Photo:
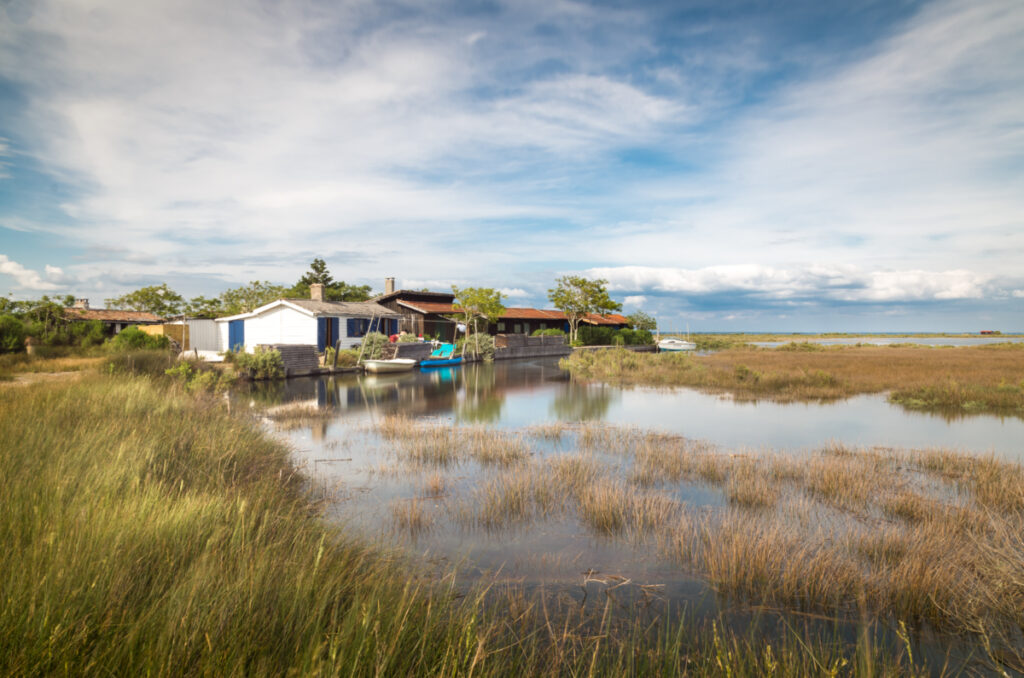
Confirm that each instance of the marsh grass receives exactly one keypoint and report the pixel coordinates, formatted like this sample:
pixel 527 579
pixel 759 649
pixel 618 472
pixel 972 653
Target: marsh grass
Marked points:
pixel 961 380
pixel 160 549
pixel 411 516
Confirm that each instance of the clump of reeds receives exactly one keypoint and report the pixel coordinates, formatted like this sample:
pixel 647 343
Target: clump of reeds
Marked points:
pixel 411 516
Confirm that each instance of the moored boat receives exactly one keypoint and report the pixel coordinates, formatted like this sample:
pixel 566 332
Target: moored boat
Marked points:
pixel 676 345
pixel 442 356
pixel 385 366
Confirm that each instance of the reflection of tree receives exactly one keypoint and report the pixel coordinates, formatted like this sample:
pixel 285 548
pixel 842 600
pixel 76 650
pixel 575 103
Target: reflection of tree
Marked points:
pixel 579 402
pixel 482 401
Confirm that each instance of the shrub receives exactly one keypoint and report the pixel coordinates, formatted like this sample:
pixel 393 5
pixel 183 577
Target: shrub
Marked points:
pixel 261 364
pixel 592 335
pixel 348 357
pixel 134 339
pixel 550 332
pixel 404 338
pixel 373 345
pixel 12 334
pixel 479 345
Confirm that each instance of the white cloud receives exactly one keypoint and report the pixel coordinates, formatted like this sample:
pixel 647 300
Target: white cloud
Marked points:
pixel 514 292
pixel 846 284
pixel 636 300
pixel 26 278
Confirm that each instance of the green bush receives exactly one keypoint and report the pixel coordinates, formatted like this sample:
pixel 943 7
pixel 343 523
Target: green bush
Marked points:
pixel 12 334
pixel 348 357
pixel 373 345
pixel 261 364
pixel 197 379
pixel 405 338
pixel 595 335
pixel 134 339
pixel 550 332
pixel 478 346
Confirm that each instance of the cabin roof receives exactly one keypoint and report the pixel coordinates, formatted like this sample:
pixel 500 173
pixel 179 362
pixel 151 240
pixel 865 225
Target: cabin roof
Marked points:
pixel 111 315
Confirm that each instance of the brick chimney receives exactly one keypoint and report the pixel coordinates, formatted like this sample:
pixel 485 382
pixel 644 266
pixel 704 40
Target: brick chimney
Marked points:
pixel 81 303
pixel 389 285
pixel 316 292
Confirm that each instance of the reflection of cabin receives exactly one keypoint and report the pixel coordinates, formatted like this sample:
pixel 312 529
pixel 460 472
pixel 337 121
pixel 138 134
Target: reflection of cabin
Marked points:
pixel 306 321
pixel 113 320
pixel 429 314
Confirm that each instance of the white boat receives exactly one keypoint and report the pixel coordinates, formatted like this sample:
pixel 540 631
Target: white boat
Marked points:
pixel 676 345
pixel 393 365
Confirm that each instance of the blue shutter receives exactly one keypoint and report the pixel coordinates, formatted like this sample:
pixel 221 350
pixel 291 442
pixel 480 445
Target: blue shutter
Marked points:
pixel 321 334
pixel 236 335
pixel 351 327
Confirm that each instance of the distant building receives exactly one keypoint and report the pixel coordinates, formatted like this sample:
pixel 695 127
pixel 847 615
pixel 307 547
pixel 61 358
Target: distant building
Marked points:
pixel 113 320
pixel 430 314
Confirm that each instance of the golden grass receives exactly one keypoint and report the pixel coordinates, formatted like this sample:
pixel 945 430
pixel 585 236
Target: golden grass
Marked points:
pixel 963 379
pixel 411 516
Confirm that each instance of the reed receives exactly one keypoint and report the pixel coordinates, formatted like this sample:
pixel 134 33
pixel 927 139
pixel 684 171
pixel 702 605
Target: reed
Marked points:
pixel 410 516
pixel 962 380
pixel 160 549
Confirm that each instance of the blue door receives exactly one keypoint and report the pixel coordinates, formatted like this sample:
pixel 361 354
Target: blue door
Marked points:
pixel 236 335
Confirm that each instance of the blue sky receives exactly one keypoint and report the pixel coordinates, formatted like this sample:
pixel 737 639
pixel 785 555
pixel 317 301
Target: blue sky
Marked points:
pixel 800 166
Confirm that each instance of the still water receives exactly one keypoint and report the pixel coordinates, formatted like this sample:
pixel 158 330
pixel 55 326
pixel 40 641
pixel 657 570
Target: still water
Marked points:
pixel 518 394
pixel 369 485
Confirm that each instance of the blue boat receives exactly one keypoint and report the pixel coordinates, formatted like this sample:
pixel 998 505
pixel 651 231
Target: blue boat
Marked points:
pixel 442 356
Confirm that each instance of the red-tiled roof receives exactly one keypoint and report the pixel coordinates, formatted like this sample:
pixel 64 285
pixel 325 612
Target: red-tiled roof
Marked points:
pixel 516 313
pixel 111 315
pixel 531 314
pixel 610 319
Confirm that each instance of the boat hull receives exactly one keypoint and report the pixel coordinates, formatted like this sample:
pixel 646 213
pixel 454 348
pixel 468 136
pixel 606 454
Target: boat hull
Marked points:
pixel 388 366
pixel 672 345
pixel 440 362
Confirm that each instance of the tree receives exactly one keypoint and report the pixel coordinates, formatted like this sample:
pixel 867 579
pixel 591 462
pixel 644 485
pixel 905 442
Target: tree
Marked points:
pixel 247 297
pixel 577 297
pixel 639 320
pixel 318 273
pixel 334 290
pixel 156 299
pixel 477 303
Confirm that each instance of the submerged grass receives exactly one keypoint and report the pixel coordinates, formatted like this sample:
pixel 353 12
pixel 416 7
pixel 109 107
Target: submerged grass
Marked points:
pixel 950 380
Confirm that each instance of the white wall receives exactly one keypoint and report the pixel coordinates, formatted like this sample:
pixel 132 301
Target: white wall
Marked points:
pixel 280 325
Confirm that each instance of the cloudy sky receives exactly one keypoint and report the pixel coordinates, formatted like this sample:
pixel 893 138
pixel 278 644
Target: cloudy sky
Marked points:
pixel 789 165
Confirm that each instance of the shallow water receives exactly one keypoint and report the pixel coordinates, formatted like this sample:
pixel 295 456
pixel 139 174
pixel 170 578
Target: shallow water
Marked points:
pixel 518 394
pixel 364 477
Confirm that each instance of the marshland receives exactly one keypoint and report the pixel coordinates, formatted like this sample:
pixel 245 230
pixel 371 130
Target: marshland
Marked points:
pixel 518 518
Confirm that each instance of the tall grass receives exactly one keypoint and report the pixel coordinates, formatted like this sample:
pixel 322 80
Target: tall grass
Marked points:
pixel 950 380
pixel 137 545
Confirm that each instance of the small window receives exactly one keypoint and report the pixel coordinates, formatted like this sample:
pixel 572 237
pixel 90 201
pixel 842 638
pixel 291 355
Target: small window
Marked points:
pixel 501 326
pixel 543 326
pixel 519 328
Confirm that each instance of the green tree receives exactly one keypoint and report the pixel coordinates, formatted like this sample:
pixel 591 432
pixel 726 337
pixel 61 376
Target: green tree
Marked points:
pixel 334 290
pixel 247 297
pixel 201 307
pixel 477 303
pixel 577 297
pixel 639 320
pixel 156 299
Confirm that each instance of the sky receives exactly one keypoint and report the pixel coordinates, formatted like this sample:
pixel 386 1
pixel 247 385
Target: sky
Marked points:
pixel 753 165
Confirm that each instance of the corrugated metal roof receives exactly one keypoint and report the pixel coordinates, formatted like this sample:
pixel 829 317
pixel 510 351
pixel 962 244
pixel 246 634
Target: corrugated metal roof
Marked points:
pixel 111 315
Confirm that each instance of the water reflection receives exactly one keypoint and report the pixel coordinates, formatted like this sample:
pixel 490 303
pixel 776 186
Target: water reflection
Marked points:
pixel 519 394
